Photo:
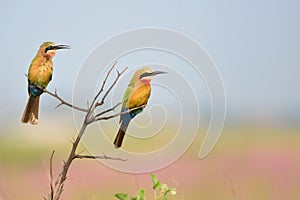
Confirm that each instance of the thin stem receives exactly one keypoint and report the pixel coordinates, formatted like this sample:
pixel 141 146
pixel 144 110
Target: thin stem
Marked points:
pixel 51 175
pixel 108 110
pixel 70 160
pixel 110 88
pixel 117 114
pixel 103 84
pixel 105 157
pixel 57 188
pixel 63 102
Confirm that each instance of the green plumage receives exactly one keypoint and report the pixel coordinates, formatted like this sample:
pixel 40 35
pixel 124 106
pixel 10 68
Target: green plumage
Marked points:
pixel 136 95
pixel 39 75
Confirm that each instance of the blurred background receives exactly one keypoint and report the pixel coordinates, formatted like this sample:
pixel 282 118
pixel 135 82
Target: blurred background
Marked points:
pixel 256 47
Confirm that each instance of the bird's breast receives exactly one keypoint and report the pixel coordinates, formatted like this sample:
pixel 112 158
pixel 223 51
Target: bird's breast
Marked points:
pixel 139 96
pixel 40 73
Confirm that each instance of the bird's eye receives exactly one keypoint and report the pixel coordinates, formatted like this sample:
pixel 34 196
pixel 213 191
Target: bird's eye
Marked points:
pixel 48 48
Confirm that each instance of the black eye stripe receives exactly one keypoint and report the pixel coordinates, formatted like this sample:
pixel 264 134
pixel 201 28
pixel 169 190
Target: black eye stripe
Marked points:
pixel 49 48
pixel 145 74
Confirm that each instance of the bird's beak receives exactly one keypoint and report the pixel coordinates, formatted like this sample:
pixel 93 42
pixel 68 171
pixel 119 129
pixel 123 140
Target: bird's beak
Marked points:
pixel 158 72
pixel 61 47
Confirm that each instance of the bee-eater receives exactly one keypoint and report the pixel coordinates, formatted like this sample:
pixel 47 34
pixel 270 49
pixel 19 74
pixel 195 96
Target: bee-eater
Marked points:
pixel 136 95
pixel 39 75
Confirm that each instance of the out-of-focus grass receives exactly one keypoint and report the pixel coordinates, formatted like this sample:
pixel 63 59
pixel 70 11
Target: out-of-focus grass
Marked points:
pixel 20 148
pixel 247 163
pixel 20 152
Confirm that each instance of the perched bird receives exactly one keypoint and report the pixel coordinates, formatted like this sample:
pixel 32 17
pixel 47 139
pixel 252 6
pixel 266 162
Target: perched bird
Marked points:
pixel 39 75
pixel 135 96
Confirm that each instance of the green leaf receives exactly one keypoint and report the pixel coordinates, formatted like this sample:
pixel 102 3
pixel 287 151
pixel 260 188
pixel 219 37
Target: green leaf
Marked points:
pixel 155 181
pixel 121 196
pixel 165 191
pixel 141 194
pixel 133 198
pixel 164 186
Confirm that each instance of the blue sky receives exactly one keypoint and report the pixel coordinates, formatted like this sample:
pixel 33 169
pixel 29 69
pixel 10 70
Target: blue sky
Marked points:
pixel 255 45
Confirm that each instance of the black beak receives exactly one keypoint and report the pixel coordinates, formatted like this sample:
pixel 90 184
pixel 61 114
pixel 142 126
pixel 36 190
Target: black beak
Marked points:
pixel 61 47
pixel 158 72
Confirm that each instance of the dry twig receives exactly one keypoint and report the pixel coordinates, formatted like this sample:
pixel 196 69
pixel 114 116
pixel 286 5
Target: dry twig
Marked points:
pixel 104 157
pixel 63 102
pixel 57 188
pixel 51 175
pixel 98 118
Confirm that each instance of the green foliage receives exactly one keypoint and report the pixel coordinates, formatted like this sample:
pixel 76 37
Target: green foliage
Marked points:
pixel 121 196
pixel 155 181
pixel 162 189
pixel 124 196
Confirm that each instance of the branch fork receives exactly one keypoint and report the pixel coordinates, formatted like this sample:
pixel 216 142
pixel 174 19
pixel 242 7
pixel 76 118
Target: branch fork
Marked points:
pixel 57 187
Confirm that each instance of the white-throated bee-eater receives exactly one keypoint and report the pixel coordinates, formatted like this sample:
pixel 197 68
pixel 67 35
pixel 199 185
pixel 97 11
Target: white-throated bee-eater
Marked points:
pixel 135 96
pixel 39 75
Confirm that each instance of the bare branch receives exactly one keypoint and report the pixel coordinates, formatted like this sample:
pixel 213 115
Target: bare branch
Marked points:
pixel 57 180
pixel 51 175
pixel 58 186
pixel 108 110
pixel 103 84
pixel 63 102
pixel 58 105
pixel 110 88
pixel 104 157
pixel 115 115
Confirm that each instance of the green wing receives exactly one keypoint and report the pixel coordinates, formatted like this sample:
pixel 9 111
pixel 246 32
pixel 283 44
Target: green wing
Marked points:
pixel 125 98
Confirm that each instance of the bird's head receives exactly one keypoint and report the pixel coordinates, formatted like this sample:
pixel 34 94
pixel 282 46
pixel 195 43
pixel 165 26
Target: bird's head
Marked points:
pixel 145 74
pixel 48 49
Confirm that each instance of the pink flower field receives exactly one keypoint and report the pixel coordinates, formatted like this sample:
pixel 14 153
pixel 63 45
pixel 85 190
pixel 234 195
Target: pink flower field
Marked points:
pixel 254 163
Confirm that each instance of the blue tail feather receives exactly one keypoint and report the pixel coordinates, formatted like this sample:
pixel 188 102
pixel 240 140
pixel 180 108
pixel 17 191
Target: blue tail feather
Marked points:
pixel 34 90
